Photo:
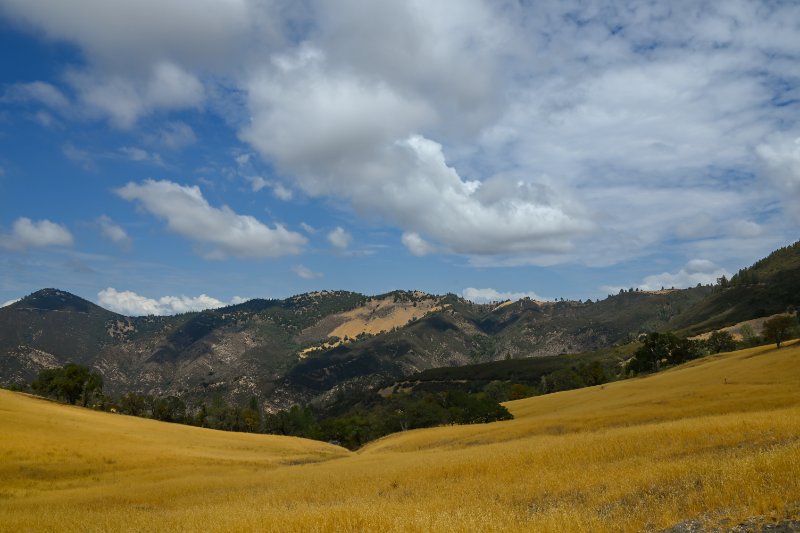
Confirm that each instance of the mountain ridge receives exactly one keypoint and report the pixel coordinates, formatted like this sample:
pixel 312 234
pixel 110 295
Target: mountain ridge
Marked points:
pixel 312 346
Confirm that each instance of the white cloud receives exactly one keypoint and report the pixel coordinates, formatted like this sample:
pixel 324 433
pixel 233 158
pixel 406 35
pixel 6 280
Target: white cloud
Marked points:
pixel 242 159
pixel 188 214
pixel 132 304
pixel 257 182
pixel 489 295
pixel 281 192
pixel 746 229
pixel 146 55
pixel 339 238
pixel 9 302
pixel 278 189
pixel 26 233
pixel 333 128
pixel 695 271
pixel 166 87
pixel 38 91
pixel 781 156
pixel 416 244
pixel 194 31
pixel 305 272
pixel 114 232
pixel 137 154
pixel 308 228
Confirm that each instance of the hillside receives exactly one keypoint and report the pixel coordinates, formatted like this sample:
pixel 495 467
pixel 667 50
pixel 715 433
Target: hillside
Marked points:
pixel 313 347
pixel 714 442
pixel 769 286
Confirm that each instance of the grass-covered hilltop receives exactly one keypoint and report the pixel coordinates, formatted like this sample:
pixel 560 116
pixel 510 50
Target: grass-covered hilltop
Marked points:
pixel 710 443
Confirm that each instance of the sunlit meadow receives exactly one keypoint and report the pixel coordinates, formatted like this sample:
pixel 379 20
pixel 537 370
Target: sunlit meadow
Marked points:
pixel 716 440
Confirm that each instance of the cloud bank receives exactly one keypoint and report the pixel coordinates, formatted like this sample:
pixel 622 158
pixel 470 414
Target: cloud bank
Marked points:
pixel 513 133
pixel 489 295
pixel 131 304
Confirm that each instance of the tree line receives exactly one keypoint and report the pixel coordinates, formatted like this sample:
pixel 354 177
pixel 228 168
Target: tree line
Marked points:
pixel 352 426
pixel 658 350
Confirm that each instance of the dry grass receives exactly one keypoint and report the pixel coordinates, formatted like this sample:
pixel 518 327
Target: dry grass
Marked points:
pixel 382 315
pixel 375 316
pixel 716 439
pixel 757 324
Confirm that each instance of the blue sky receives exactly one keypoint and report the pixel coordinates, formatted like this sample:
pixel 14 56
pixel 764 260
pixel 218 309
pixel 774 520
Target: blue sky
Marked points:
pixel 157 157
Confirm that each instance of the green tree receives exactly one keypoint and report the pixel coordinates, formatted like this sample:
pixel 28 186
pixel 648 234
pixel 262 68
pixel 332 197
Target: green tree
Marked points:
pixel 658 348
pixel 777 328
pixel 749 337
pixel 169 409
pixel 498 390
pixel 250 416
pixel 72 382
pixel 721 341
pixel 135 404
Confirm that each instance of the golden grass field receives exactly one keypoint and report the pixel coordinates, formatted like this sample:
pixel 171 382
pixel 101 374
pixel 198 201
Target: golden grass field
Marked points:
pixel 716 440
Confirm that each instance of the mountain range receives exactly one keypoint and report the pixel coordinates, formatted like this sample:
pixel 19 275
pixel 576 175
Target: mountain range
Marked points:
pixel 312 346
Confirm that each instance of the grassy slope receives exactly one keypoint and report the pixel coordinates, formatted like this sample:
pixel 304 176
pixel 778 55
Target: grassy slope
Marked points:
pixel 718 438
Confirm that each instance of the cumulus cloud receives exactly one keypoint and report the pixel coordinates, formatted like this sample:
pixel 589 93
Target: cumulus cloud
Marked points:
pixel 308 228
pixel 489 295
pixel 305 272
pixel 328 127
pixel 26 233
pixel 339 238
pixel 188 214
pixel 695 271
pixel 124 101
pixel 133 304
pixel 416 244
pixel 138 61
pixel 114 232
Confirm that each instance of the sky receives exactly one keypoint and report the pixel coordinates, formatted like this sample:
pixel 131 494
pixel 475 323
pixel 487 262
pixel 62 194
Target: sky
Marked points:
pixel 164 156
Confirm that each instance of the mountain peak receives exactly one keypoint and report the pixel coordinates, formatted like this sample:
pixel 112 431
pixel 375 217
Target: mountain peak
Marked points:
pixel 56 300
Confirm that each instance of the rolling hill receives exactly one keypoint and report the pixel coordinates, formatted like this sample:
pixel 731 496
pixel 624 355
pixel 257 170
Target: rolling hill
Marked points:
pixel 708 444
